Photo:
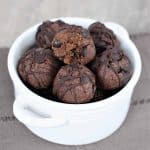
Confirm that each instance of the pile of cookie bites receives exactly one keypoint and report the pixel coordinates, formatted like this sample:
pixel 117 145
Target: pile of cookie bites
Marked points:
pixel 71 64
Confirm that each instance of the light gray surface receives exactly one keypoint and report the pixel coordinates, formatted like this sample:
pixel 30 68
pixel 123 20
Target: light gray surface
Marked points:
pixel 134 134
pixel 18 15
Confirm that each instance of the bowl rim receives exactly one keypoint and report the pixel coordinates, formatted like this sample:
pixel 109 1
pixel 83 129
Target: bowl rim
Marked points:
pixel 16 79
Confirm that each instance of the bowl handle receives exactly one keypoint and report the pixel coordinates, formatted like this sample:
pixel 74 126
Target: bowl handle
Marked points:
pixel 27 116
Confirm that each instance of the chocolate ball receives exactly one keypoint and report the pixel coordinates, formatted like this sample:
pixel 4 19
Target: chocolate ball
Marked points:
pixel 74 45
pixel 47 31
pixel 74 84
pixel 113 69
pixel 38 67
pixel 103 37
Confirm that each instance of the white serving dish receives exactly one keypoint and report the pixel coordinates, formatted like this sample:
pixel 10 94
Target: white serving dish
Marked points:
pixel 72 124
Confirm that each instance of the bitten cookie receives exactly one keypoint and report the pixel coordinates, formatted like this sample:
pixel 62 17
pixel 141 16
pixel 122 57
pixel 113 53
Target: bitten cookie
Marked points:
pixel 74 84
pixel 74 45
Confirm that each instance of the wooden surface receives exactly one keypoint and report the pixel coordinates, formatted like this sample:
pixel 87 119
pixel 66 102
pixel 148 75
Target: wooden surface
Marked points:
pixel 134 134
pixel 17 15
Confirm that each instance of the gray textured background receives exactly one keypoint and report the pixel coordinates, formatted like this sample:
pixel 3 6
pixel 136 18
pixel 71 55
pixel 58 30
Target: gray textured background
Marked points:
pixel 17 15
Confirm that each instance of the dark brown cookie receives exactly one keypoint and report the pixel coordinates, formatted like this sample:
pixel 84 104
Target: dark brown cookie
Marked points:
pixel 74 84
pixel 113 69
pixel 47 31
pixel 103 37
pixel 38 67
pixel 74 45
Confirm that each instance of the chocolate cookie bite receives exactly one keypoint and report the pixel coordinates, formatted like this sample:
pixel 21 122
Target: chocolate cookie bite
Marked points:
pixel 74 84
pixel 38 67
pixel 74 45
pixel 47 31
pixel 103 37
pixel 113 69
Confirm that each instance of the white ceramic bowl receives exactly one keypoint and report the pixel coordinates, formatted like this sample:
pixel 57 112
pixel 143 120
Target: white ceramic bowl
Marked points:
pixel 72 124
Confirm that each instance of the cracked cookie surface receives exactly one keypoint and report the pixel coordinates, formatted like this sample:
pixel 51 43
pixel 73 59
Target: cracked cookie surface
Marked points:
pixel 74 84
pixel 113 69
pixel 38 67
pixel 103 37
